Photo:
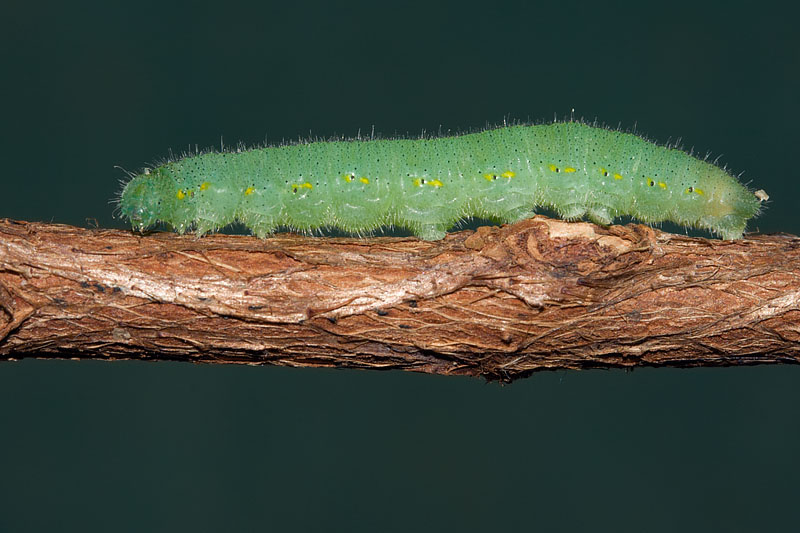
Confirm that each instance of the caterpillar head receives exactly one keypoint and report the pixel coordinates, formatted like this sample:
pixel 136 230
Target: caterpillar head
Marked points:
pixel 141 200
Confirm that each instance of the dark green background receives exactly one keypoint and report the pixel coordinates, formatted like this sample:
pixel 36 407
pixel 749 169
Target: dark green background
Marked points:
pixel 87 446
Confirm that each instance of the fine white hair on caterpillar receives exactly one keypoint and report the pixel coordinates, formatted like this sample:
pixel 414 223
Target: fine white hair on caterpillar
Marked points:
pixel 429 184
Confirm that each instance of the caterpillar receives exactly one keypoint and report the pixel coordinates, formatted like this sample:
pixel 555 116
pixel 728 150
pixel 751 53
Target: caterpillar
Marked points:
pixel 427 185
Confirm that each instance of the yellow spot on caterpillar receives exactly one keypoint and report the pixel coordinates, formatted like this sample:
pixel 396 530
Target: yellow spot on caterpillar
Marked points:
pixel 508 174
pixel 417 182
pixel 617 177
pixel 689 190
pixel 364 180
pixel 347 177
pixel 490 177
pixel 650 182
pixel 569 169
pixel 248 191
pixel 662 184
pixel 553 168
pixel 701 192
pixel 435 183
pixel 204 186
pixel 181 195
pixel 604 172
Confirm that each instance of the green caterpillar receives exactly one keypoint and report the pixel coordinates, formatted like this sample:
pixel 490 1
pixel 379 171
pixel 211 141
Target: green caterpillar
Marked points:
pixel 427 185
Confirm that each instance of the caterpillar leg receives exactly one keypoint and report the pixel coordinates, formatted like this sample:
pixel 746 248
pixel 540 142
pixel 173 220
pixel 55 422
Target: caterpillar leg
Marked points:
pixel 599 215
pixel 262 231
pixel 203 226
pixel 516 214
pixel 572 211
pixel 430 232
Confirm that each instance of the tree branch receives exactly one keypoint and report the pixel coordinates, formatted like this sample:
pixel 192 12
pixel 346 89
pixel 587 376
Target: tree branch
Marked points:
pixel 499 302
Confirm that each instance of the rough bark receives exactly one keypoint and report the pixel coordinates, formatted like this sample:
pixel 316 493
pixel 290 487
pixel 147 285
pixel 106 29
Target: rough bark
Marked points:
pixel 499 302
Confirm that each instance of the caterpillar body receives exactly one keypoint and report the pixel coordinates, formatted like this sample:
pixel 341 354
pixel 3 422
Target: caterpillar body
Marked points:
pixel 426 185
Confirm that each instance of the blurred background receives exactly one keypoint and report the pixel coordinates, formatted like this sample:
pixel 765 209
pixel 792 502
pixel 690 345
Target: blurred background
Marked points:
pixel 89 89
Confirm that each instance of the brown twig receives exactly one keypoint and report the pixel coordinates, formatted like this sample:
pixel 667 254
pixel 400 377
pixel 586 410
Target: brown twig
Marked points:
pixel 499 302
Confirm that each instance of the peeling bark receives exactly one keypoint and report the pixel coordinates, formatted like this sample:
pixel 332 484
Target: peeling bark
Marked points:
pixel 499 302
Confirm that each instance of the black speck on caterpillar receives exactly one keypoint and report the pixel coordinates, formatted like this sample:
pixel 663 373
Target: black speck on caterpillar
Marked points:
pixel 429 184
